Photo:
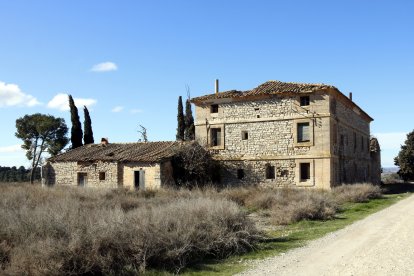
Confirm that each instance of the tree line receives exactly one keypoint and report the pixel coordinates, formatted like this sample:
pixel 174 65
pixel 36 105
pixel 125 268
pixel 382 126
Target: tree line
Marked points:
pixel 21 174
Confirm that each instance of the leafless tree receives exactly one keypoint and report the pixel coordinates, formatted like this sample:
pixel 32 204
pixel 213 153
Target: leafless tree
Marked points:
pixel 143 132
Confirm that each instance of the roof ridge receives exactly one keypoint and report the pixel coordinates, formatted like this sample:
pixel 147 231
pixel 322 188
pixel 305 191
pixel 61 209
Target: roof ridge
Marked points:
pixel 297 83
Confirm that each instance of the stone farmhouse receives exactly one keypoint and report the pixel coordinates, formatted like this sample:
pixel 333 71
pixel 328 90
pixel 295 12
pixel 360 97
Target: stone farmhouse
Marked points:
pixel 112 165
pixel 277 134
pixel 288 134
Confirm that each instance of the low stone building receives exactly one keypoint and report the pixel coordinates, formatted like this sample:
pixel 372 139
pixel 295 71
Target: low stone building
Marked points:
pixel 288 134
pixel 112 165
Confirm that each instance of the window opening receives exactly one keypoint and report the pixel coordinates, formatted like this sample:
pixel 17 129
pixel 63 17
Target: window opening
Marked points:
pixel 304 171
pixel 216 137
pixel 270 172
pixel 214 108
pixel 304 101
pixel 240 174
pixel 303 132
pixel 102 176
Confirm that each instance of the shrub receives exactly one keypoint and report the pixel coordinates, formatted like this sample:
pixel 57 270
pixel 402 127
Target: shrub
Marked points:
pixel 303 204
pixel 356 192
pixel 285 205
pixel 89 231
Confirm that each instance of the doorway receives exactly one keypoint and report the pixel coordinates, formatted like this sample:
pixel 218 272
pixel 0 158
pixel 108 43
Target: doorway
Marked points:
pixel 139 180
pixel 82 179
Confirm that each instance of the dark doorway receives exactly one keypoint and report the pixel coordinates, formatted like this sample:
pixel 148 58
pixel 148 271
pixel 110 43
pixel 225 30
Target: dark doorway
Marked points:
pixel 139 180
pixel 82 179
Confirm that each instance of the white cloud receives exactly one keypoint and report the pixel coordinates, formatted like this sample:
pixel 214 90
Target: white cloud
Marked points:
pixel 104 67
pixel 134 111
pixel 391 140
pixel 117 109
pixel 11 149
pixel 61 102
pixel 11 95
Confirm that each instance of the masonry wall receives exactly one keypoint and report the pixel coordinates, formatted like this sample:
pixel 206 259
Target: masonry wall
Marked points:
pixel 152 174
pixel 67 174
pixel 351 160
pixel 271 125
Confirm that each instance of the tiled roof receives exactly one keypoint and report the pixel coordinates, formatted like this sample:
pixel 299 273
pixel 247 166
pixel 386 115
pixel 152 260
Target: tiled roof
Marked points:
pixel 267 88
pixel 121 152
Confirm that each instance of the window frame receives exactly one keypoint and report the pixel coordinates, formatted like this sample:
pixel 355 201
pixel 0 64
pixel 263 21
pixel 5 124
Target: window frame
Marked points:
pixel 306 143
pixel 300 182
pixel 211 130
pixel 245 135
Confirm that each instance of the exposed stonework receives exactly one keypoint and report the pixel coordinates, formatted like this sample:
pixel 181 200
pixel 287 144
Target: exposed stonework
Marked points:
pixel 250 130
pixel 132 166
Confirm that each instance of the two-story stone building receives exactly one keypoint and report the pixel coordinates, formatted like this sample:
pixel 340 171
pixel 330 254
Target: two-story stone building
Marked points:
pixel 288 134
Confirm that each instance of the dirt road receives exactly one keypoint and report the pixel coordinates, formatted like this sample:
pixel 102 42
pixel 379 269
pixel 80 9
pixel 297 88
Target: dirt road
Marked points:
pixel 381 244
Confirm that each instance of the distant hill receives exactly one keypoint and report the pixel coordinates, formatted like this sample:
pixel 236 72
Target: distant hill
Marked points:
pixel 389 170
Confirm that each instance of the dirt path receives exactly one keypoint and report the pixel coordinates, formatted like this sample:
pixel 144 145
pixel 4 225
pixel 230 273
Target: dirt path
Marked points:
pixel 381 244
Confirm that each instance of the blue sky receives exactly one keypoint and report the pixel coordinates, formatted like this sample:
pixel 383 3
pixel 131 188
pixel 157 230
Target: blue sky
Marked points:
pixel 130 60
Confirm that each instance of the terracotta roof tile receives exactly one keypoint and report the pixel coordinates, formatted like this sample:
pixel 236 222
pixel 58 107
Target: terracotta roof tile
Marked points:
pixel 121 152
pixel 267 88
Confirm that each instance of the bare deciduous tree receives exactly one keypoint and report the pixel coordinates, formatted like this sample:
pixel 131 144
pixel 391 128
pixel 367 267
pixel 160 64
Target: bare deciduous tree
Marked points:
pixel 143 133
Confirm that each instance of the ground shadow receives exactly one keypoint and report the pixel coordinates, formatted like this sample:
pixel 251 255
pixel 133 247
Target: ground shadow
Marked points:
pixel 398 188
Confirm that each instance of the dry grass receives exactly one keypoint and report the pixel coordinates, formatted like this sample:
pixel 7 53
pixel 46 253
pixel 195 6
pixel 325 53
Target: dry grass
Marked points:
pixel 362 192
pixel 57 231
pixel 87 231
pixel 285 206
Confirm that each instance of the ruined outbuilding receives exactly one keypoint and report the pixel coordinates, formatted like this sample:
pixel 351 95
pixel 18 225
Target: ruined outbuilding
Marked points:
pixel 145 165
pixel 288 134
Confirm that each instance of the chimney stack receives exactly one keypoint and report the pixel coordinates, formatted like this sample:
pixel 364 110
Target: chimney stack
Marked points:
pixel 104 141
pixel 217 87
pixel 350 96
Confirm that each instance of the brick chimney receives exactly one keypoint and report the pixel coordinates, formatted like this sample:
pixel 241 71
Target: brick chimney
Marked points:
pixel 104 141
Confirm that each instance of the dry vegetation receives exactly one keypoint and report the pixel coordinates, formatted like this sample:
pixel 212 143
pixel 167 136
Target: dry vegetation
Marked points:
pixel 58 231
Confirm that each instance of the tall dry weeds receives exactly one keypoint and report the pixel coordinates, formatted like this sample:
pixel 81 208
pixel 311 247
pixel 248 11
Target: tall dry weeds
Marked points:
pixel 89 231
pixel 361 192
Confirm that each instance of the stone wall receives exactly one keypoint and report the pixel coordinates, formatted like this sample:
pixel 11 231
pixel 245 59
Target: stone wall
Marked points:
pixel 350 145
pixel 286 173
pixel 67 174
pixel 338 150
pixel 115 175
pixel 271 127
pixel 152 174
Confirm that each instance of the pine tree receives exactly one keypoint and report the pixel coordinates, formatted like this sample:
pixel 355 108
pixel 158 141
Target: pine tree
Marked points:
pixel 405 158
pixel 76 131
pixel 189 132
pixel 87 128
pixel 180 121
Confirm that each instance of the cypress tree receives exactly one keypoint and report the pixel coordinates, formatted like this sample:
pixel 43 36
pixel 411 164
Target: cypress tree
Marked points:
pixel 87 127
pixel 189 132
pixel 76 131
pixel 180 121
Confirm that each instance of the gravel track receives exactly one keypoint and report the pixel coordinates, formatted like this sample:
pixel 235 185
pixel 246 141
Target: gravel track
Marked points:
pixel 381 244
